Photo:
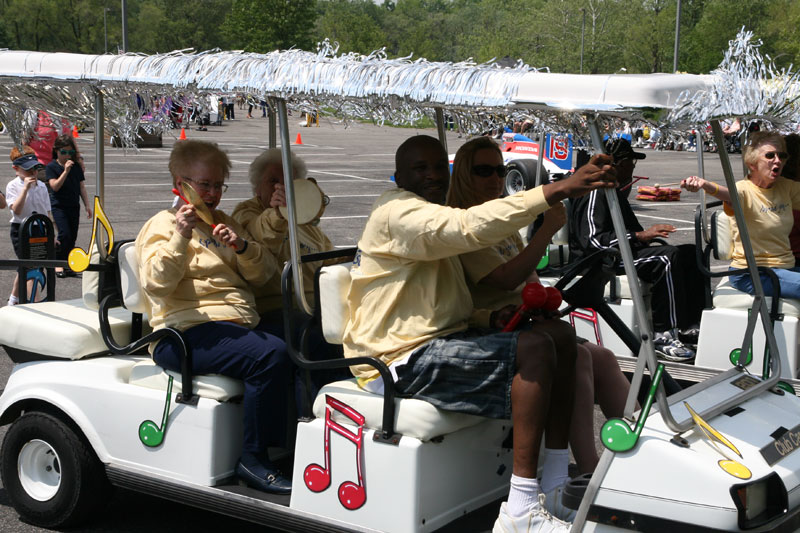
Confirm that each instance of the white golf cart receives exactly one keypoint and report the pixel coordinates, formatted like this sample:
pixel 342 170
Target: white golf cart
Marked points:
pixel 717 456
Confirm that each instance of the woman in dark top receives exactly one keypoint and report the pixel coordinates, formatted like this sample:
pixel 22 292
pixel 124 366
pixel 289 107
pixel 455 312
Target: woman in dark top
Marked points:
pixel 65 179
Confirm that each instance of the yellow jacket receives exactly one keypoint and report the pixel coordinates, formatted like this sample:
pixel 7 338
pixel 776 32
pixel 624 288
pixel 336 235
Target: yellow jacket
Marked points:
pixel 408 285
pixel 270 229
pixel 187 282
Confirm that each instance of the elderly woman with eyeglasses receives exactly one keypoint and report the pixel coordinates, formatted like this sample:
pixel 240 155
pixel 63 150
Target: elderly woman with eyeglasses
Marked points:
pixel 767 200
pixel 65 179
pixel 196 278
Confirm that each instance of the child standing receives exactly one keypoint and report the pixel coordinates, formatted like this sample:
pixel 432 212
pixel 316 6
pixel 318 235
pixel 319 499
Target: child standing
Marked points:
pixel 25 195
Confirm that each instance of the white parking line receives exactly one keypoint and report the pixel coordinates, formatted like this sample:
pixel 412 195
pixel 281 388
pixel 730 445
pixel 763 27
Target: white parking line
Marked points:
pixel 346 175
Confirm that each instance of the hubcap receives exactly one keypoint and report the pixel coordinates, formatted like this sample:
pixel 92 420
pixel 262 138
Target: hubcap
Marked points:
pixel 514 182
pixel 39 470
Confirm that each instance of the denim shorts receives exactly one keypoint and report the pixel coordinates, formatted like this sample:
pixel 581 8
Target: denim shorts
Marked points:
pixel 468 372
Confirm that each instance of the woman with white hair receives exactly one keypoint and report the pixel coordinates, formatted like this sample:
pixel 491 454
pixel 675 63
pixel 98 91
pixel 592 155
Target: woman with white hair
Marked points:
pixel 262 218
pixel 767 199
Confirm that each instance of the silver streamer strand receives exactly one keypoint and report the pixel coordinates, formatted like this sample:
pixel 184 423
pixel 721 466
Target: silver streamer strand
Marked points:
pixel 354 86
pixel 745 85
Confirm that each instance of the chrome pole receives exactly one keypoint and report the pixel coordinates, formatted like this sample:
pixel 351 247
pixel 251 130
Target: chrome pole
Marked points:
pixel 286 158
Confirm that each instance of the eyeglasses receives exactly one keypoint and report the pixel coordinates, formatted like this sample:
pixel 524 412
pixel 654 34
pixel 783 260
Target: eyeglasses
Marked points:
pixel 486 171
pixel 206 186
pixel 66 152
pixel 783 156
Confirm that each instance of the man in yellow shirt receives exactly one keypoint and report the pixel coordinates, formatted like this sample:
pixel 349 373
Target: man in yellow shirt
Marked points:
pixel 410 307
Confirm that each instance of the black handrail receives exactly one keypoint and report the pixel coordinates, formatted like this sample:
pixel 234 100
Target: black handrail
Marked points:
pixel 387 432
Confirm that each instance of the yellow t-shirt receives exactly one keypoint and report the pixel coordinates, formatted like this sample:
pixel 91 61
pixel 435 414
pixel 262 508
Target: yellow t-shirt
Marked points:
pixel 187 282
pixel 407 282
pixel 477 265
pixel 269 228
pixel 768 214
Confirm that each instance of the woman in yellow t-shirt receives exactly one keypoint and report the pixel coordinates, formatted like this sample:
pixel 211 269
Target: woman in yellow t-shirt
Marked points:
pixel 496 275
pixel 767 199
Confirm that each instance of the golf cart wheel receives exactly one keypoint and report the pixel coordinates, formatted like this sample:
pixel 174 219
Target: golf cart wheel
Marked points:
pixel 520 176
pixel 52 476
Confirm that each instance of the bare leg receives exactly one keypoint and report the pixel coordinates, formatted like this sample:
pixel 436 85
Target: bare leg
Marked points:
pixel 562 395
pixel 530 392
pixel 581 431
pixel 542 392
pixel 610 384
pixel 15 286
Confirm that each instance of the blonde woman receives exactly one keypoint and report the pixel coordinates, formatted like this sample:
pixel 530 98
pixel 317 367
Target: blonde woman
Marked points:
pixel 497 274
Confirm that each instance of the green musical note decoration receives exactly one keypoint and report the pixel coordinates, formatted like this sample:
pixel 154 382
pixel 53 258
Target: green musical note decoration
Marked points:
pixel 149 433
pixel 735 357
pixel 617 435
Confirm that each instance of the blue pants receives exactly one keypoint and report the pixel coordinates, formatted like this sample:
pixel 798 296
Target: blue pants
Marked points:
pixel 67 220
pixel 252 355
pixel 789 278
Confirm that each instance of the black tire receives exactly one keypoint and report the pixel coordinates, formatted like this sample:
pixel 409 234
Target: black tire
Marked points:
pixel 520 175
pixel 40 446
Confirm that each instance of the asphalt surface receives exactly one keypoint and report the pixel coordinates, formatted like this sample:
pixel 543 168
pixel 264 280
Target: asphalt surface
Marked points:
pixel 352 165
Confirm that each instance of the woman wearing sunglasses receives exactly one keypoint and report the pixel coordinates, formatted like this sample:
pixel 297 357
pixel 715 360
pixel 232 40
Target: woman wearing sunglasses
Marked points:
pixel 64 176
pixel 496 275
pixel 767 200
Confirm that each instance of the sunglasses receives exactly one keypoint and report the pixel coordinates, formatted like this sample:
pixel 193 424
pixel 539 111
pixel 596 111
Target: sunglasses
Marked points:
pixel 783 156
pixel 66 152
pixel 486 171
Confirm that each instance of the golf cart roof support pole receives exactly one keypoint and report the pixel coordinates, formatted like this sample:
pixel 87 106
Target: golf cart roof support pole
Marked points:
pixel 540 160
pixel 647 349
pixel 272 125
pixel 99 137
pixel 747 247
pixel 288 177
pixel 440 129
pixel 701 171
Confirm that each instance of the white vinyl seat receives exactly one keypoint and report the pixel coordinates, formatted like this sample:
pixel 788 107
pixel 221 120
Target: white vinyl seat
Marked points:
pixel 213 386
pixel 64 329
pixel 147 373
pixel 414 418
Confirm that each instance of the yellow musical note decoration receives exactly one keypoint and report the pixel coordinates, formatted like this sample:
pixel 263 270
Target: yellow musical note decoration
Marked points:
pixel 78 259
pixel 729 465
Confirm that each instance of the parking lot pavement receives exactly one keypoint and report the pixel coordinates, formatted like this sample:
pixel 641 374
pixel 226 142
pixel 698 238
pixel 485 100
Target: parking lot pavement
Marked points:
pixel 351 164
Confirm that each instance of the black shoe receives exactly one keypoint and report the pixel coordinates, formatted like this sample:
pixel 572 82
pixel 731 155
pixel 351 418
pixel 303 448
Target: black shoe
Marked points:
pixel 263 478
pixel 61 274
pixel 689 335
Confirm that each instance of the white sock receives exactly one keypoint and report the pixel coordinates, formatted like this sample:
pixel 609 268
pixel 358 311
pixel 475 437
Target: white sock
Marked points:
pixel 523 495
pixel 554 469
pixel 13 300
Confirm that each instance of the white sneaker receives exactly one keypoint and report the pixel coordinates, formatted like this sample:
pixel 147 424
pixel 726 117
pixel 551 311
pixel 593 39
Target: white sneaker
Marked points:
pixel 536 521
pixel 555 505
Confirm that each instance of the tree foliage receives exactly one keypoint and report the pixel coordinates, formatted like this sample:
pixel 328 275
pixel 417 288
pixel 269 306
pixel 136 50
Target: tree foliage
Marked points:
pixel 634 35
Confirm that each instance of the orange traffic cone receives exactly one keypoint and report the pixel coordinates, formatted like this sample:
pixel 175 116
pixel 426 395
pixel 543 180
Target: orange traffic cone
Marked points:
pixel 183 134
pixel 299 140
pixel 75 132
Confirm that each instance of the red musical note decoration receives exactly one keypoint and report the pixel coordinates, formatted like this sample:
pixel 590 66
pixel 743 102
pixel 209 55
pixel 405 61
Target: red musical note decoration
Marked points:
pixel 318 478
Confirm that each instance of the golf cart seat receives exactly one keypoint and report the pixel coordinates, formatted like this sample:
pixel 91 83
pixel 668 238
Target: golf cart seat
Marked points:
pixel 63 329
pixel 147 373
pixel 413 417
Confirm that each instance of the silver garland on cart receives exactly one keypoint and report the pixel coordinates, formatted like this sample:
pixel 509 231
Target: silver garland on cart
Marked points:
pixel 746 85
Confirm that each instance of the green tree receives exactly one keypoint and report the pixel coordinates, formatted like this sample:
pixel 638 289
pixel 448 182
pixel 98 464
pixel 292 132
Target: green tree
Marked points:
pixel 266 25
pixel 707 41
pixel 357 25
